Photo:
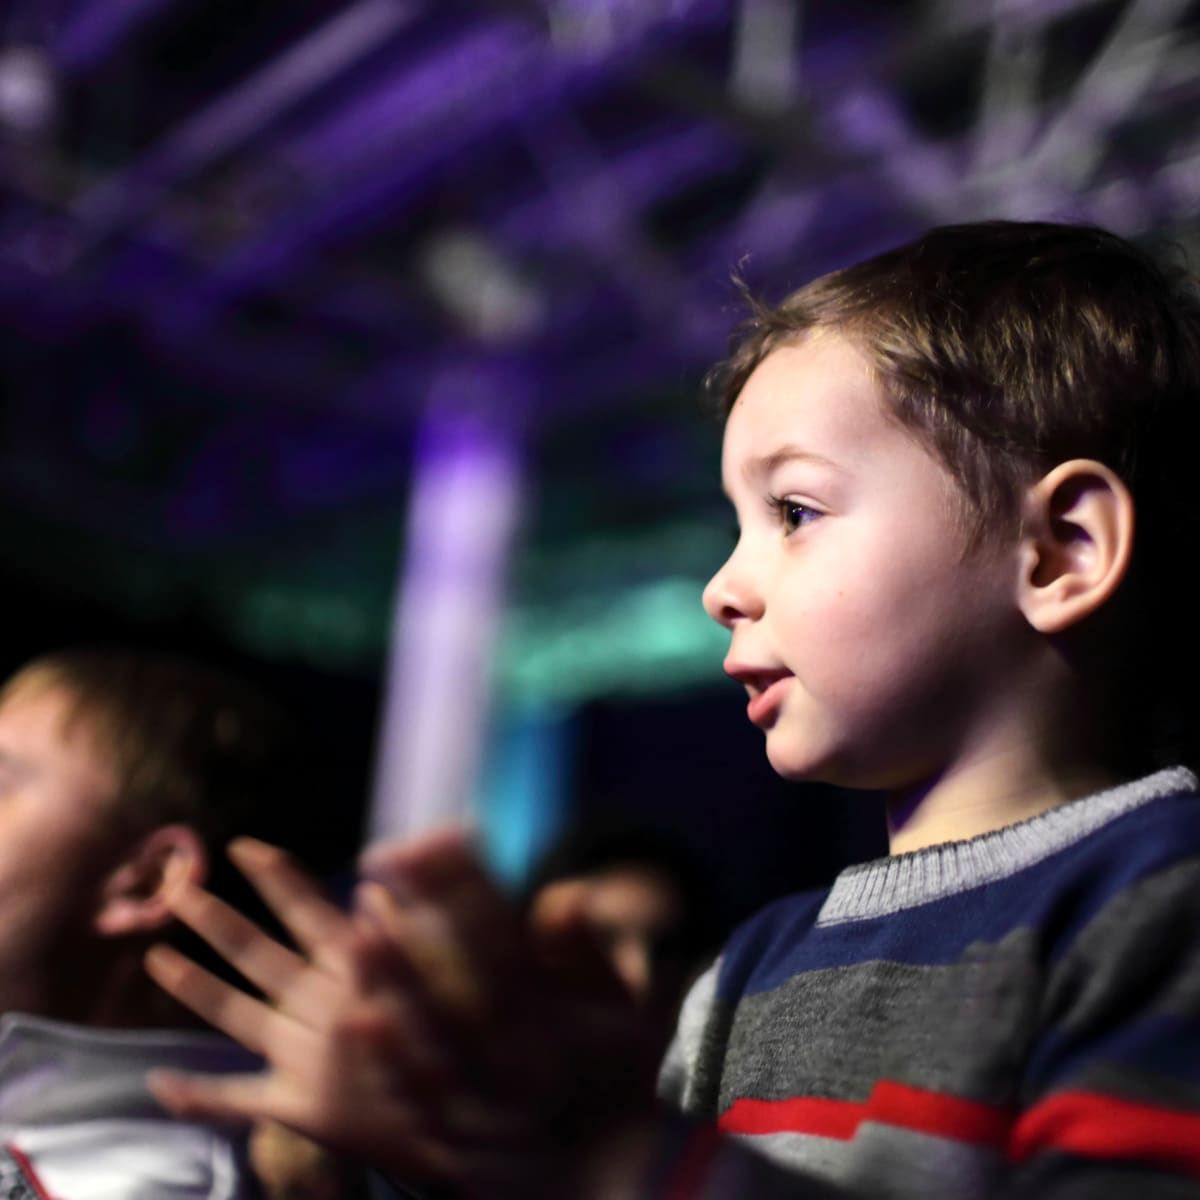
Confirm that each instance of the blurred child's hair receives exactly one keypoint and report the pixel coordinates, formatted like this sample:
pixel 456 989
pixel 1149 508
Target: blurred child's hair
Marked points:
pixel 1008 347
pixel 185 743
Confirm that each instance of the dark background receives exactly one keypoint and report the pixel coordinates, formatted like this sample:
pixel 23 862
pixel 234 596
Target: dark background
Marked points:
pixel 244 244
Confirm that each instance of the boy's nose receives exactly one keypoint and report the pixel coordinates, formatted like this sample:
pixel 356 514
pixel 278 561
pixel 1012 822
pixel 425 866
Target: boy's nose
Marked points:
pixel 728 598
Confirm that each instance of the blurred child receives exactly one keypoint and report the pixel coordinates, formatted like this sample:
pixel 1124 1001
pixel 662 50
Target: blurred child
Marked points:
pixel 121 775
pixel 962 473
pixel 642 897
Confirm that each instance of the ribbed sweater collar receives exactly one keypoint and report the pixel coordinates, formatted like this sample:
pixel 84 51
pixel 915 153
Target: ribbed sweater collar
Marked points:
pixel 902 881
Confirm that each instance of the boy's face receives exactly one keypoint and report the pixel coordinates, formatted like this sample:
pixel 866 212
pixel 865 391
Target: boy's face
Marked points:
pixel 873 649
pixel 56 844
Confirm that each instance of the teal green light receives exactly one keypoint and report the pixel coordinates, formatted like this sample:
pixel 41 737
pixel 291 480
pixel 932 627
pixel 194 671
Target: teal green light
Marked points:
pixel 646 638
pixel 325 628
pixel 600 615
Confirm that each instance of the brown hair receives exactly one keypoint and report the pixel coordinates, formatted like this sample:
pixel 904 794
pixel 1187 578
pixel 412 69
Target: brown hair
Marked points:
pixel 186 743
pixel 1007 347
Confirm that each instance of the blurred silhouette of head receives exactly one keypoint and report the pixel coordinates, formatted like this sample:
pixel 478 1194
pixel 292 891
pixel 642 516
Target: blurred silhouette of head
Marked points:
pixel 120 773
pixel 643 899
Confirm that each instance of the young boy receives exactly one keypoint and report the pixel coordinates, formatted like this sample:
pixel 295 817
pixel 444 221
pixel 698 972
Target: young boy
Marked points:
pixel 936 459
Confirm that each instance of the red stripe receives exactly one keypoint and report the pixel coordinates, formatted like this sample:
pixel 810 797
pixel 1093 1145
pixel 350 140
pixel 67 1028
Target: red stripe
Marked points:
pixel 1097 1126
pixel 890 1103
pixel 22 1161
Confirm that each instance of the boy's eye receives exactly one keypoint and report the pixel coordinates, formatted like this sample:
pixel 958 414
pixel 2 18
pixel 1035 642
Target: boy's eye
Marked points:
pixel 793 514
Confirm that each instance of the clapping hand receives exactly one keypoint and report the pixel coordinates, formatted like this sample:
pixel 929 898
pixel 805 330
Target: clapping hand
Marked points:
pixel 426 1031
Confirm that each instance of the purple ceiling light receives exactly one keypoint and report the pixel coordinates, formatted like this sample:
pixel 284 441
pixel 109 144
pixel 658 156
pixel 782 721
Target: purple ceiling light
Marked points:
pixel 462 515
pixel 98 27
pixel 28 91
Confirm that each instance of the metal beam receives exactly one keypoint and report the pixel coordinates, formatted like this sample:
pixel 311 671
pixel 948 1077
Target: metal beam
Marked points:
pixel 120 200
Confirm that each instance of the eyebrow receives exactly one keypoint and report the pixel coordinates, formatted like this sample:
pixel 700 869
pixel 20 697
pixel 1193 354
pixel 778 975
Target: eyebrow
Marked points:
pixel 787 454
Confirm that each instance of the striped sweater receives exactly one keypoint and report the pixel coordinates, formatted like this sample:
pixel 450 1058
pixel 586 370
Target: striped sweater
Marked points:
pixel 1013 1015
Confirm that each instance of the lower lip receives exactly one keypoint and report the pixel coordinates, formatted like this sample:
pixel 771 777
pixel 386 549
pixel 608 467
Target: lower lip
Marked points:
pixel 763 707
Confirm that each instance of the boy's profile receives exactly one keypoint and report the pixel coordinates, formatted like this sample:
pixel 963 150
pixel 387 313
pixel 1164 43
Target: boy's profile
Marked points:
pixel 961 472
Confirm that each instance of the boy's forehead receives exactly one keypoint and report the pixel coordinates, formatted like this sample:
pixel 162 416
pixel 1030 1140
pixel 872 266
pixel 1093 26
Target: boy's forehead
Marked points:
pixel 817 395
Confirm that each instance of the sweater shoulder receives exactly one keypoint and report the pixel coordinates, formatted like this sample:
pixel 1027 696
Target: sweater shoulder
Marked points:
pixel 1072 888
pixel 762 943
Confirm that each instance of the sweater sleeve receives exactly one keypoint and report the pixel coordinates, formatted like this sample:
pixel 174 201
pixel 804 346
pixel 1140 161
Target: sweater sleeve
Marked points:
pixel 686 1064
pixel 691 1160
pixel 1111 1098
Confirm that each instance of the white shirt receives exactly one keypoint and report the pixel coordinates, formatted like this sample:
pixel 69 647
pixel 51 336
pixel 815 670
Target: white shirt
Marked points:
pixel 74 1105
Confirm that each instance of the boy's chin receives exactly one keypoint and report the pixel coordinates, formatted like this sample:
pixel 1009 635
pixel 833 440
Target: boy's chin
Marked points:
pixel 797 763
pixel 806 764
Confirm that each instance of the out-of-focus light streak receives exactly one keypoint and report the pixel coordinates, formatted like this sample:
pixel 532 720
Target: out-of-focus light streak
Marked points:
pixel 1008 111
pixel 98 27
pixel 463 512
pixel 28 96
pixel 522 800
pixel 1124 70
pixel 473 73
pixel 765 73
pixel 481 287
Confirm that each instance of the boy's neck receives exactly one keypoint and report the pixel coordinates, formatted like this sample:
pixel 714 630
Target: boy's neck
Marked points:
pixel 1040 738
pixel 985 793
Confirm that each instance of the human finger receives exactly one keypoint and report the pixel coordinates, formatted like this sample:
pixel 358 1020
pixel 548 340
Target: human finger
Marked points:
pixel 418 949
pixel 397 1039
pixel 280 973
pixel 317 924
pixel 377 908
pixel 444 873
pixel 390 1134
pixel 438 867
pixel 251 1022
pixel 444 870
pixel 390 861
pixel 241 1099
pixel 222 1098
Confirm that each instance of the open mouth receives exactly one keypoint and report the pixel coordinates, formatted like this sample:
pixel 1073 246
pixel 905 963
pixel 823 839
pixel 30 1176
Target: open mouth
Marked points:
pixel 764 704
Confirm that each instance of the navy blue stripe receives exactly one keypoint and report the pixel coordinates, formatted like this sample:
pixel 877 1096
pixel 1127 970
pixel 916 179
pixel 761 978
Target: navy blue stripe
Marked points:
pixel 1057 896
pixel 1167 1046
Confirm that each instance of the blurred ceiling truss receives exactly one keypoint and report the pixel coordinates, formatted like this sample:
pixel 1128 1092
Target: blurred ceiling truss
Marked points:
pixel 326 206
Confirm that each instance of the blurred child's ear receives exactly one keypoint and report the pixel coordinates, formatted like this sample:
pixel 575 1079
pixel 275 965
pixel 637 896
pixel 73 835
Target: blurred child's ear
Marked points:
pixel 1076 543
pixel 133 899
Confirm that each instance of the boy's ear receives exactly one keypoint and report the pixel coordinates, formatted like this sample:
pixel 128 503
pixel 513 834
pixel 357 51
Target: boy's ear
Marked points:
pixel 1076 543
pixel 133 897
